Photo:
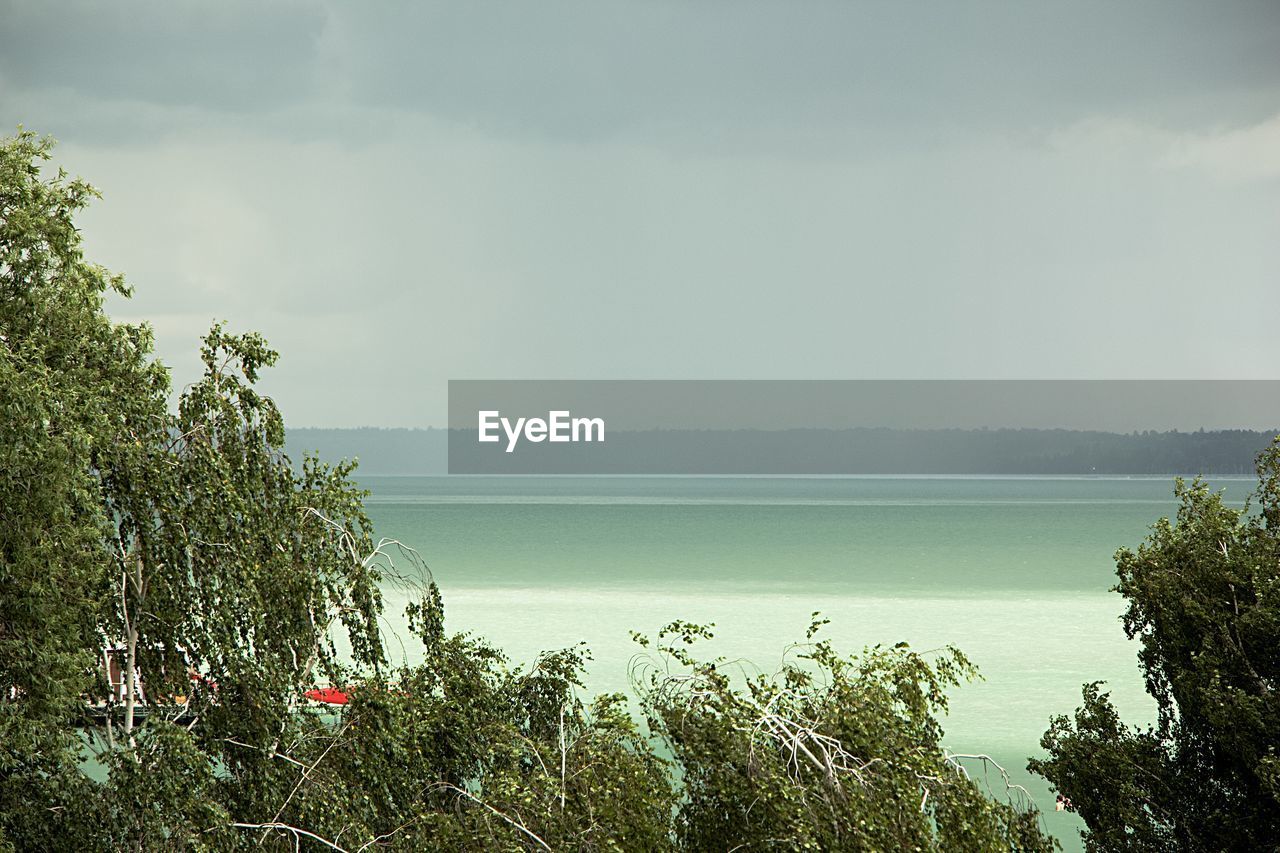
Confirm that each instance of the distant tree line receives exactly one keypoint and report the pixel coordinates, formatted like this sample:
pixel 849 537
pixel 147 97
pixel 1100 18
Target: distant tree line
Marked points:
pixel 808 451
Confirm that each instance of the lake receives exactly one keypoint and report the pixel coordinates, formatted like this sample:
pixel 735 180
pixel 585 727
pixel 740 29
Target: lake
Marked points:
pixel 1014 571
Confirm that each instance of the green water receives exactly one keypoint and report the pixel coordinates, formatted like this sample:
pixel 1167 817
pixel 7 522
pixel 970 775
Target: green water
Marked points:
pixel 1014 571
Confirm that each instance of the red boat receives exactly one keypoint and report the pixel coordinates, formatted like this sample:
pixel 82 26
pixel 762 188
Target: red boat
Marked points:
pixel 327 695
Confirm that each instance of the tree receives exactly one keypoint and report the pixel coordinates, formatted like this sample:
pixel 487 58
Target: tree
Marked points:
pixel 828 753
pixel 462 752
pixel 71 383
pixel 1204 602
pixel 187 539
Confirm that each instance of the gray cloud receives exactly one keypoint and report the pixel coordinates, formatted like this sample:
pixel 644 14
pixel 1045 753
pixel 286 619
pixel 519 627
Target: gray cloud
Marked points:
pixel 713 190
pixel 235 55
pixel 591 70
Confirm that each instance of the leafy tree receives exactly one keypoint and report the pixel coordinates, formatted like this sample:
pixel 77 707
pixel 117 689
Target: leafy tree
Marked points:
pixel 463 753
pixel 828 753
pixel 71 385
pixel 186 538
pixel 1204 602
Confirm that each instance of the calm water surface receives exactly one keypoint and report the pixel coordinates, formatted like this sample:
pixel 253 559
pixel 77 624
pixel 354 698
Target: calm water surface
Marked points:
pixel 1014 571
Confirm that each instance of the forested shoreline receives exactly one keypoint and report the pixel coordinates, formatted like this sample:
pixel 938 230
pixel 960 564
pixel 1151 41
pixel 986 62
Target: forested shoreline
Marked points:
pixel 866 451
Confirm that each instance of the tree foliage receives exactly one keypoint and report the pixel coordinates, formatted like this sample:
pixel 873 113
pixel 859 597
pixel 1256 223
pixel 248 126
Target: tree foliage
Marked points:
pixel 827 753
pixel 1204 603
pixel 187 539
pixel 230 581
pixel 72 385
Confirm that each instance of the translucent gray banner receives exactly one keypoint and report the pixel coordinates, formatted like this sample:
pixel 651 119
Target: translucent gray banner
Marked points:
pixel 845 427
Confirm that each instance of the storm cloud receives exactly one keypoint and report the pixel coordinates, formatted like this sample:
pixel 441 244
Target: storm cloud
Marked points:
pixel 398 194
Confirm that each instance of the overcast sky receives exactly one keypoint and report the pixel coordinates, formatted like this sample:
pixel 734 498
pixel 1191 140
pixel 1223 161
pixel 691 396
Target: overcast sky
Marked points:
pixel 400 196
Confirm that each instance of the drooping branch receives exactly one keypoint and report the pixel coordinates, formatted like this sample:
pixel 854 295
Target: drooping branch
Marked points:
pixel 296 832
pixel 954 759
pixel 513 822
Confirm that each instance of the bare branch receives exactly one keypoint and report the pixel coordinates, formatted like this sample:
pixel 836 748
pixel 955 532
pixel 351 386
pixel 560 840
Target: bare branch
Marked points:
pixel 296 832
pixel 515 823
